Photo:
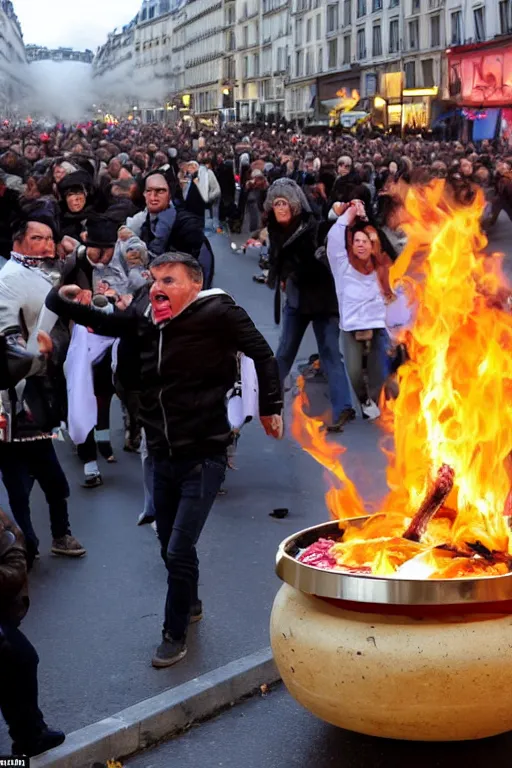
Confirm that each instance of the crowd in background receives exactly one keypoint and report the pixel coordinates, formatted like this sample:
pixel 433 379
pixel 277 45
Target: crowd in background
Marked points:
pixel 103 233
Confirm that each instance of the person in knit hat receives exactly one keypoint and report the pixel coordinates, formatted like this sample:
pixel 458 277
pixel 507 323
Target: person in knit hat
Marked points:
pixel 309 290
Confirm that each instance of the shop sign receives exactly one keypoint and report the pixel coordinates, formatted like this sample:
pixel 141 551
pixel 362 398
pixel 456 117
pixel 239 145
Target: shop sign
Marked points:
pixel 481 77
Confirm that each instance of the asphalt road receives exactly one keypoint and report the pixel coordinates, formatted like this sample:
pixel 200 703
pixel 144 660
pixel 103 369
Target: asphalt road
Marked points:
pixel 95 622
pixel 275 731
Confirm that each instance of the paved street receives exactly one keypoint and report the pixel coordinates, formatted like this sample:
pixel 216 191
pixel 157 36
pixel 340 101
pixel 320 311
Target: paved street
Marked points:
pixel 95 622
pixel 277 732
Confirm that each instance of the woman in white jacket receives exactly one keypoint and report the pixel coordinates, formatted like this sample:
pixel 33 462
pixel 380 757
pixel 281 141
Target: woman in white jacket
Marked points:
pixel 360 270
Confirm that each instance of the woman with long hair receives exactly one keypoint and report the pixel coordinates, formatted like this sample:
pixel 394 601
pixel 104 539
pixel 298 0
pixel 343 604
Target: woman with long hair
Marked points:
pixel 361 273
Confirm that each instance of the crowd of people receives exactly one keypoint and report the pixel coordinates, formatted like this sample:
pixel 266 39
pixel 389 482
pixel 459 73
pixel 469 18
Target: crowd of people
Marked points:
pixel 108 289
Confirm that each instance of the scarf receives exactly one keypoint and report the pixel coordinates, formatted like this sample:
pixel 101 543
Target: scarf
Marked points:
pixel 27 261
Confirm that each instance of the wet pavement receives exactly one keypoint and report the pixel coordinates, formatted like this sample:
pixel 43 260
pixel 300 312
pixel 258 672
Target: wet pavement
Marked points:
pixel 274 731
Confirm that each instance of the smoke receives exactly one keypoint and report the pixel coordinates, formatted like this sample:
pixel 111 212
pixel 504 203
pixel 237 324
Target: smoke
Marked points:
pixel 66 91
pixel 59 91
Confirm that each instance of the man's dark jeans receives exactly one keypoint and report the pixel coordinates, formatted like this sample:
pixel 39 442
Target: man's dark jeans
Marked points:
pixel 184 493
pixel 20 465
pixel 18 691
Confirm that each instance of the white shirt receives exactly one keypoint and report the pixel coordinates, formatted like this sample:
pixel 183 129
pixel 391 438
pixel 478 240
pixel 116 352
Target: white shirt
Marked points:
pixel 360 299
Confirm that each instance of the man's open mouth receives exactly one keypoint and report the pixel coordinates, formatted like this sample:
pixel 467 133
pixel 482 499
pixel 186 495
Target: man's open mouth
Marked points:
pixel 160 298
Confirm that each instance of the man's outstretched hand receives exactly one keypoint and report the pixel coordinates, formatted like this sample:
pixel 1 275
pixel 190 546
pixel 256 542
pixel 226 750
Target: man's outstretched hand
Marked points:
pixel 76 294
pixel 273 426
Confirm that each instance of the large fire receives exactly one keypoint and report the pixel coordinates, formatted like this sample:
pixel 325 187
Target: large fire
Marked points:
pixel 453 414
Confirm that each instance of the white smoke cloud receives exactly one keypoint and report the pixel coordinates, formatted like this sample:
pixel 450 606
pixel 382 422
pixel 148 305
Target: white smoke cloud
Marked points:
pixel 60 90
pixel 66 91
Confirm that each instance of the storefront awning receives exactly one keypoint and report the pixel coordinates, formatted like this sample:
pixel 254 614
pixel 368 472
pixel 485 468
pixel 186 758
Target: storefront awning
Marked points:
pixel 331 103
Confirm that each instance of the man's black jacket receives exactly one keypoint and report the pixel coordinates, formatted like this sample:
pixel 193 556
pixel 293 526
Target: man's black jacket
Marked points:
pixel 187 366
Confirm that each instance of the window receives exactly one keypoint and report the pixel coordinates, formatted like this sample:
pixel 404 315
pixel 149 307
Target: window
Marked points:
pixel 394 36
pixel 309 30
pixel 246 66
pixel 457 28
pixel 151 14
pixel 281 59
pixel 245 36
pixel 479 24
pixel 361 44
pixel 347 49
pixel 394 3
pixel 376 41
pixel 299 59
pixel 410 74
pixel 230 14
pixel 332 54
pixel 505 17
pixel 416 6
pixel 361 8
pixel 298 32
pixel 427 67
pixel 332 18
pixel 319 27
pixel 414 33
pixel 435 31
pixel 376 5
pixel 309 68
pixel 229 69
pixel 347 13
pixel 320 67
pixel 256 64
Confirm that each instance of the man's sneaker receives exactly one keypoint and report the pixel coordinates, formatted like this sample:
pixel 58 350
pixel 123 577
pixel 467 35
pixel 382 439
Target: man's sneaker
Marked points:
pixel 169 652
pixel 196 612
pixel 347 415
pixel 68 546
pixel 145 519
pixel 93 480
pixel 47 739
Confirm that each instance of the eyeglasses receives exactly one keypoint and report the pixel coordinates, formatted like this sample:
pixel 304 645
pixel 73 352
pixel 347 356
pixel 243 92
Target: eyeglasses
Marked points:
pixel 280 204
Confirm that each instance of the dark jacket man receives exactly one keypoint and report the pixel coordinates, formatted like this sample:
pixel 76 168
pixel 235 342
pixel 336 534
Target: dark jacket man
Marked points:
pixel 186 367
pixel 187 341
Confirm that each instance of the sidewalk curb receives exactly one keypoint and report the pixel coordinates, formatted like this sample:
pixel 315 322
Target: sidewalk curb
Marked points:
pixel 162 716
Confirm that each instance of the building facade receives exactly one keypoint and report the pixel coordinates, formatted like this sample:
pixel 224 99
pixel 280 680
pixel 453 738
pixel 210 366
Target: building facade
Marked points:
pixel 306 60
pixel 391 53
pixel 14 77
pixel 41 53
pixel 262 39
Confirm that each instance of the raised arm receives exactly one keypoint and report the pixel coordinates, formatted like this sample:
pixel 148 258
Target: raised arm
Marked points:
pixel 117 324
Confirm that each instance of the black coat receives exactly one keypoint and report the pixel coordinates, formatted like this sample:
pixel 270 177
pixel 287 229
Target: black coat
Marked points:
pixel 14 601
pixel 350 187
pixel 77 270
pixel 186 368
pixel 9 213
pixel 120 209
pixel 295 260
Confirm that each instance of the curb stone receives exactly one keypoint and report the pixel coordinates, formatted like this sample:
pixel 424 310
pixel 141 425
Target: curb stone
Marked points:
pixel 162 716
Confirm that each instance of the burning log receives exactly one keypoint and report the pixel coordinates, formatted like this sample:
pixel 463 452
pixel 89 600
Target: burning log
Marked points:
pixel 433 501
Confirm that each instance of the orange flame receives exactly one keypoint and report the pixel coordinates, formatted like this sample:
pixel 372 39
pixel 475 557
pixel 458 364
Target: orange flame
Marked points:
pixel 342 498
pixel 455 397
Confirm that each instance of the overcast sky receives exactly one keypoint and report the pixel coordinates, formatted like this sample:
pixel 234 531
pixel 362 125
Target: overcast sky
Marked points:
pixel 77 25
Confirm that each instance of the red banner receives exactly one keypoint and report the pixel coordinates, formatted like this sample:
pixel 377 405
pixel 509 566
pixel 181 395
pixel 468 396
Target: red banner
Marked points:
pixel 481 78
